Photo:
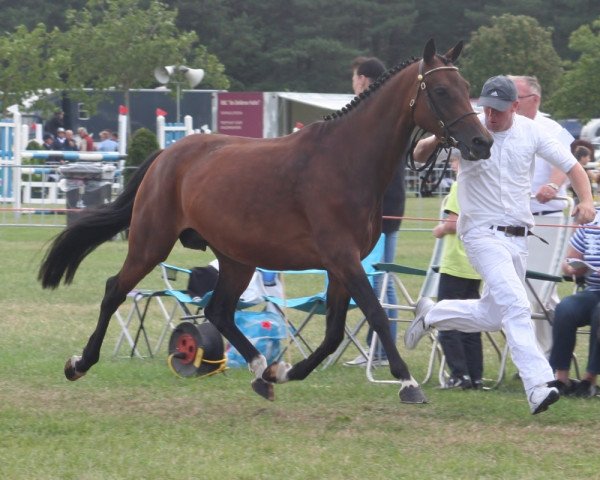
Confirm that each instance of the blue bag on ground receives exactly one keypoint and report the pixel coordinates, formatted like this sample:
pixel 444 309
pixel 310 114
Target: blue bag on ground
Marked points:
pixel 264 329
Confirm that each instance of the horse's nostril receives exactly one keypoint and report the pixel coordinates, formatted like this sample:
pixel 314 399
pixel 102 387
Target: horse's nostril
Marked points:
pixel 482 142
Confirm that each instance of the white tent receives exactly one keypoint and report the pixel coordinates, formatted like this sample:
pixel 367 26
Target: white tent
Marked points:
pixel 284 109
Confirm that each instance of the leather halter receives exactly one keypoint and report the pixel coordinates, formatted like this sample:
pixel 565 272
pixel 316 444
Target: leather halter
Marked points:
pixel 447 140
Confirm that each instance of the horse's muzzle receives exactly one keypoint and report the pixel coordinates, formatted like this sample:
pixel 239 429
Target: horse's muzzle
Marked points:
pixel 479 149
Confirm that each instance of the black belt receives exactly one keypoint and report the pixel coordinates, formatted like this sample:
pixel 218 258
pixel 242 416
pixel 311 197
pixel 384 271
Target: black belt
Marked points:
pixel 511 230
pixel 516 231
pixel 548 212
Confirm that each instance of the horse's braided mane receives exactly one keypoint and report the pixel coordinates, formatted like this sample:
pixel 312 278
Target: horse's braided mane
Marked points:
pixel 376 85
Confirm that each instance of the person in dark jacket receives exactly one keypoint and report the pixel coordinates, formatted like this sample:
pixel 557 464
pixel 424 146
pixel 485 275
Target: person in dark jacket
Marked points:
pixel 53 124
pixel 364 72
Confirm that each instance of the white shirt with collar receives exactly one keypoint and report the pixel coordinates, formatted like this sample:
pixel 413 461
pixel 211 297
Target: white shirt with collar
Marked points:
pixel 541 174
pixel 497 191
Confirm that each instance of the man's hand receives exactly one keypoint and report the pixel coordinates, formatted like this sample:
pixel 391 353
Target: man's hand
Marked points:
pixel 439 230
pixel 425 148
pixel 545 194
pixel 584 212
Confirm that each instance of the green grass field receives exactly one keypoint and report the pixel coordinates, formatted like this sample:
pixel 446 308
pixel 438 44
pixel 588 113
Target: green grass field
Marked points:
pixel 133 419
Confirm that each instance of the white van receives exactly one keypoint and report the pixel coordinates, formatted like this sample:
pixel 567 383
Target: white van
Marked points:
pixel 591 130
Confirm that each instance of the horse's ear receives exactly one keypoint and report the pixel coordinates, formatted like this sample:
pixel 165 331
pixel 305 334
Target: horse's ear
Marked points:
pixel 429 51
pixel 454 52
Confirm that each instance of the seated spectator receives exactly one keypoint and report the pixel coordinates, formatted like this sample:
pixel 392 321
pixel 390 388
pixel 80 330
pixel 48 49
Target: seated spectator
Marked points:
pixel 574 311
pixel 51 160
pixel 70 142
pixel 60 142
pixel 48 141
pixel 107 144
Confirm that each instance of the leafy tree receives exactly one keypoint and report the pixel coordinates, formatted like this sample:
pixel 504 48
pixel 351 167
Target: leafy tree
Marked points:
pixel 119 43
pixel 562 16
pixel 302 45
pixel 448 24
pixel 26 65
pixel 30 13
pixel 214 70
pixel 142 144
pixel 514 44
pixel 578 95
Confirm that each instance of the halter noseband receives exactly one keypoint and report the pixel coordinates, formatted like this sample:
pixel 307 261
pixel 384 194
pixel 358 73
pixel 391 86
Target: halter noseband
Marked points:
pixel 447 140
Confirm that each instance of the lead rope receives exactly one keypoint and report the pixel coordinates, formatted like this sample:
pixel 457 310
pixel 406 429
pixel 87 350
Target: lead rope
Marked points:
pixel 425 189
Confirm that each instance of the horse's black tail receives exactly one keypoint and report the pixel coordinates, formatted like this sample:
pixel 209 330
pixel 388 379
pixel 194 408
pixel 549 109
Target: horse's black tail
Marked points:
pixel 94 226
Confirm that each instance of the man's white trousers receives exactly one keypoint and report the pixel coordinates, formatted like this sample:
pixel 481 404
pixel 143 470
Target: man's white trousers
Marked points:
pixel 502 263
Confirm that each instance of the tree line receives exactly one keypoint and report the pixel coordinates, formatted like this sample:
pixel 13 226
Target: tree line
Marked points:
pixel 297 45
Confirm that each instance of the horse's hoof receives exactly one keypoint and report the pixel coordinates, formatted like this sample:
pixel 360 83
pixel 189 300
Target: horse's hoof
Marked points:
pixel 276 372
pixel 264 389
pixel 70 371
pixel 412 394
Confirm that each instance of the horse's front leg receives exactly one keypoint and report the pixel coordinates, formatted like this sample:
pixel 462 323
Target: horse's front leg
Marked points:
pixel 357 283
pixel 337 307
pixel 77 366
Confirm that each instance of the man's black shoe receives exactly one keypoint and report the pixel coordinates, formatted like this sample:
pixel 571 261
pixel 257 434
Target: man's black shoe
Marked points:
pixel 565 389
pixel 585 389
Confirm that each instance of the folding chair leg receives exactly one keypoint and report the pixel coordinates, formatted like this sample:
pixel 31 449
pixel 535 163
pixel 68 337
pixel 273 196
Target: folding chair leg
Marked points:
pixel 443 374
pixel 576 366
pixel 503 356
pixel 351 335
pixel 169 325
pixel 297 343
pixel 369 368
pixel 350 338
pixel 436 353
pixel 296 337
pixel 125 335
pixel 142 330
pixel 134 312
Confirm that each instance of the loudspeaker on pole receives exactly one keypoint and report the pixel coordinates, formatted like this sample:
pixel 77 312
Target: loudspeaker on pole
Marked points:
pixel 193 75
pixel 162 74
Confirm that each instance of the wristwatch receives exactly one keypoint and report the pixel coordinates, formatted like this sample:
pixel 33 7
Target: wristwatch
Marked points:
pixel 553 186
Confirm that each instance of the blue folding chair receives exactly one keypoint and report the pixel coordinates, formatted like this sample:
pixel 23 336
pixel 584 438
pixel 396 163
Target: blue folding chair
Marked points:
pixel 316 304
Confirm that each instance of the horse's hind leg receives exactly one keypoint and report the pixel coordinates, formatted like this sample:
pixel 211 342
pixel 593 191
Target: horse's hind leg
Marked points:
pixel 77 366
pixel 142 257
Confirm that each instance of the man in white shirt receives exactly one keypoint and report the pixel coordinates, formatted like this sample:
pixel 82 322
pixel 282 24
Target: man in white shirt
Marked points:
pixel 548 183
pixel 494 223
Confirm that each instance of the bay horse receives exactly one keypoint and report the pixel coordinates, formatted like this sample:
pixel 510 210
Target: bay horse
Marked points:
pixel 311 199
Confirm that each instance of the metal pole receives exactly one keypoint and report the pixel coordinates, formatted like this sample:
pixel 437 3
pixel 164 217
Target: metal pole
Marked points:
pixel 16 160
pixel 178 101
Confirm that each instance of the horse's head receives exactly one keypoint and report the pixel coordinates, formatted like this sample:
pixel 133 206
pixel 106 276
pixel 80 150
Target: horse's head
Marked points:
pixel 441 104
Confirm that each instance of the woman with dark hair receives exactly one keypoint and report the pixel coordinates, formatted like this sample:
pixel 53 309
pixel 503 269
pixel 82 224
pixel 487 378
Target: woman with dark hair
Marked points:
pixel 583 151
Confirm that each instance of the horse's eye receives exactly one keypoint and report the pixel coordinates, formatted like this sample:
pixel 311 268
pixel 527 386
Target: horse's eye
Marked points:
pixel 440 91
